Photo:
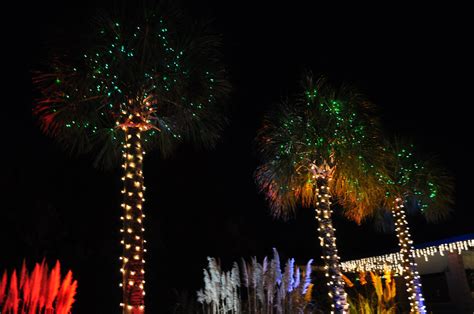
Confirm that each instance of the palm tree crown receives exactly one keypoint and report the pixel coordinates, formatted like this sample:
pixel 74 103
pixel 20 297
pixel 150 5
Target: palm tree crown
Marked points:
pixel 324 131
pixel 423 185
pixel 164 77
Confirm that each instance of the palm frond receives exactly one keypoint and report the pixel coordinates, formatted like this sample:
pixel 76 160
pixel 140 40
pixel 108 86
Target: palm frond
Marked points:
pixel 321 129
pixel 424 185
pixel 164 71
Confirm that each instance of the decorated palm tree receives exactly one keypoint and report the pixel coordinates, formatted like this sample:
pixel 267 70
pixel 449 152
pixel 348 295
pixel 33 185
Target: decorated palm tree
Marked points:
pixel 141 83
pixel 413 185
pixel 322 145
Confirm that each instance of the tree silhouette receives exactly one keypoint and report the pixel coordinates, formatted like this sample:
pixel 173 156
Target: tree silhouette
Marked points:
pixel 141 82
pixel 322 144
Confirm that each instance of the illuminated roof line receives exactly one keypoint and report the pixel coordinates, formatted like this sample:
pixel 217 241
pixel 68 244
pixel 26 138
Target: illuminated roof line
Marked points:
pixel 425 250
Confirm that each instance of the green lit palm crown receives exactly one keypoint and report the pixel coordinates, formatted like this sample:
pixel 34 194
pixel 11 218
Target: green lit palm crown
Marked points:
pixel 422 184
pixel 165 79
pixel 321 132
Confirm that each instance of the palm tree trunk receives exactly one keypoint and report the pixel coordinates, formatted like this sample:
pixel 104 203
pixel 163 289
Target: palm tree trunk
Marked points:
pixel 328 245
pixel 248 298
pixel 133 243
pixel 412 278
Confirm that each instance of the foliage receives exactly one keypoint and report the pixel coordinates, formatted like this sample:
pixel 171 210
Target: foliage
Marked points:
pixel 423 184
pixel 137 66
pixel 322 132
pixel 221 288
pixel 42 290
pixel 379 298
pixel 256 287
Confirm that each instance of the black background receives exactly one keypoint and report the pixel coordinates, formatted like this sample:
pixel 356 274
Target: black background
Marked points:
pixel 415 63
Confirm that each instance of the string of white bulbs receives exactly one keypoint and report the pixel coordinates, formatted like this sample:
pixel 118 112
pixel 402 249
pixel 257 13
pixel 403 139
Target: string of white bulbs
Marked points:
pixel 392 261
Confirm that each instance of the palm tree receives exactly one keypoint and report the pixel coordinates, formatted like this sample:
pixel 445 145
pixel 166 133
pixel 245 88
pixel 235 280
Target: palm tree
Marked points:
pixel 413 185
pixel 141 83
pixel 320 145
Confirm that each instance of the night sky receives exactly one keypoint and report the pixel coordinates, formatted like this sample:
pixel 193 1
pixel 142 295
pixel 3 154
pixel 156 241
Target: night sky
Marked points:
pixel 414 63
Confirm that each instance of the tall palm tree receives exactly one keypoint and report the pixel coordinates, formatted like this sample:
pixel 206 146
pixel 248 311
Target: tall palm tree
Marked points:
pixel 320 145
pixel 141 83
pixel 413 185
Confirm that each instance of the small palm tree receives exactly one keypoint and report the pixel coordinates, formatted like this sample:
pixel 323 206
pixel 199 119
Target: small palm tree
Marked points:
pixel 413 185
pixel 142 83
pixel 322 145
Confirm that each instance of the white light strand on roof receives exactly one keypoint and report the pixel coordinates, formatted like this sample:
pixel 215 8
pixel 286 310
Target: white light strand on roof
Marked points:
pixel 392 261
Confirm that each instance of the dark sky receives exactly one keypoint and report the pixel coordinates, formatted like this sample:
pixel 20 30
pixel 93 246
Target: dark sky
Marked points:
pixel 415 63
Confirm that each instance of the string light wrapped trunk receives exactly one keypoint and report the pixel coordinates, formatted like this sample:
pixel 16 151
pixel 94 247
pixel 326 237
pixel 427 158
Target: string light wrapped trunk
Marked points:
pixel 133 241
pixel 407 251
pixel 330 255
